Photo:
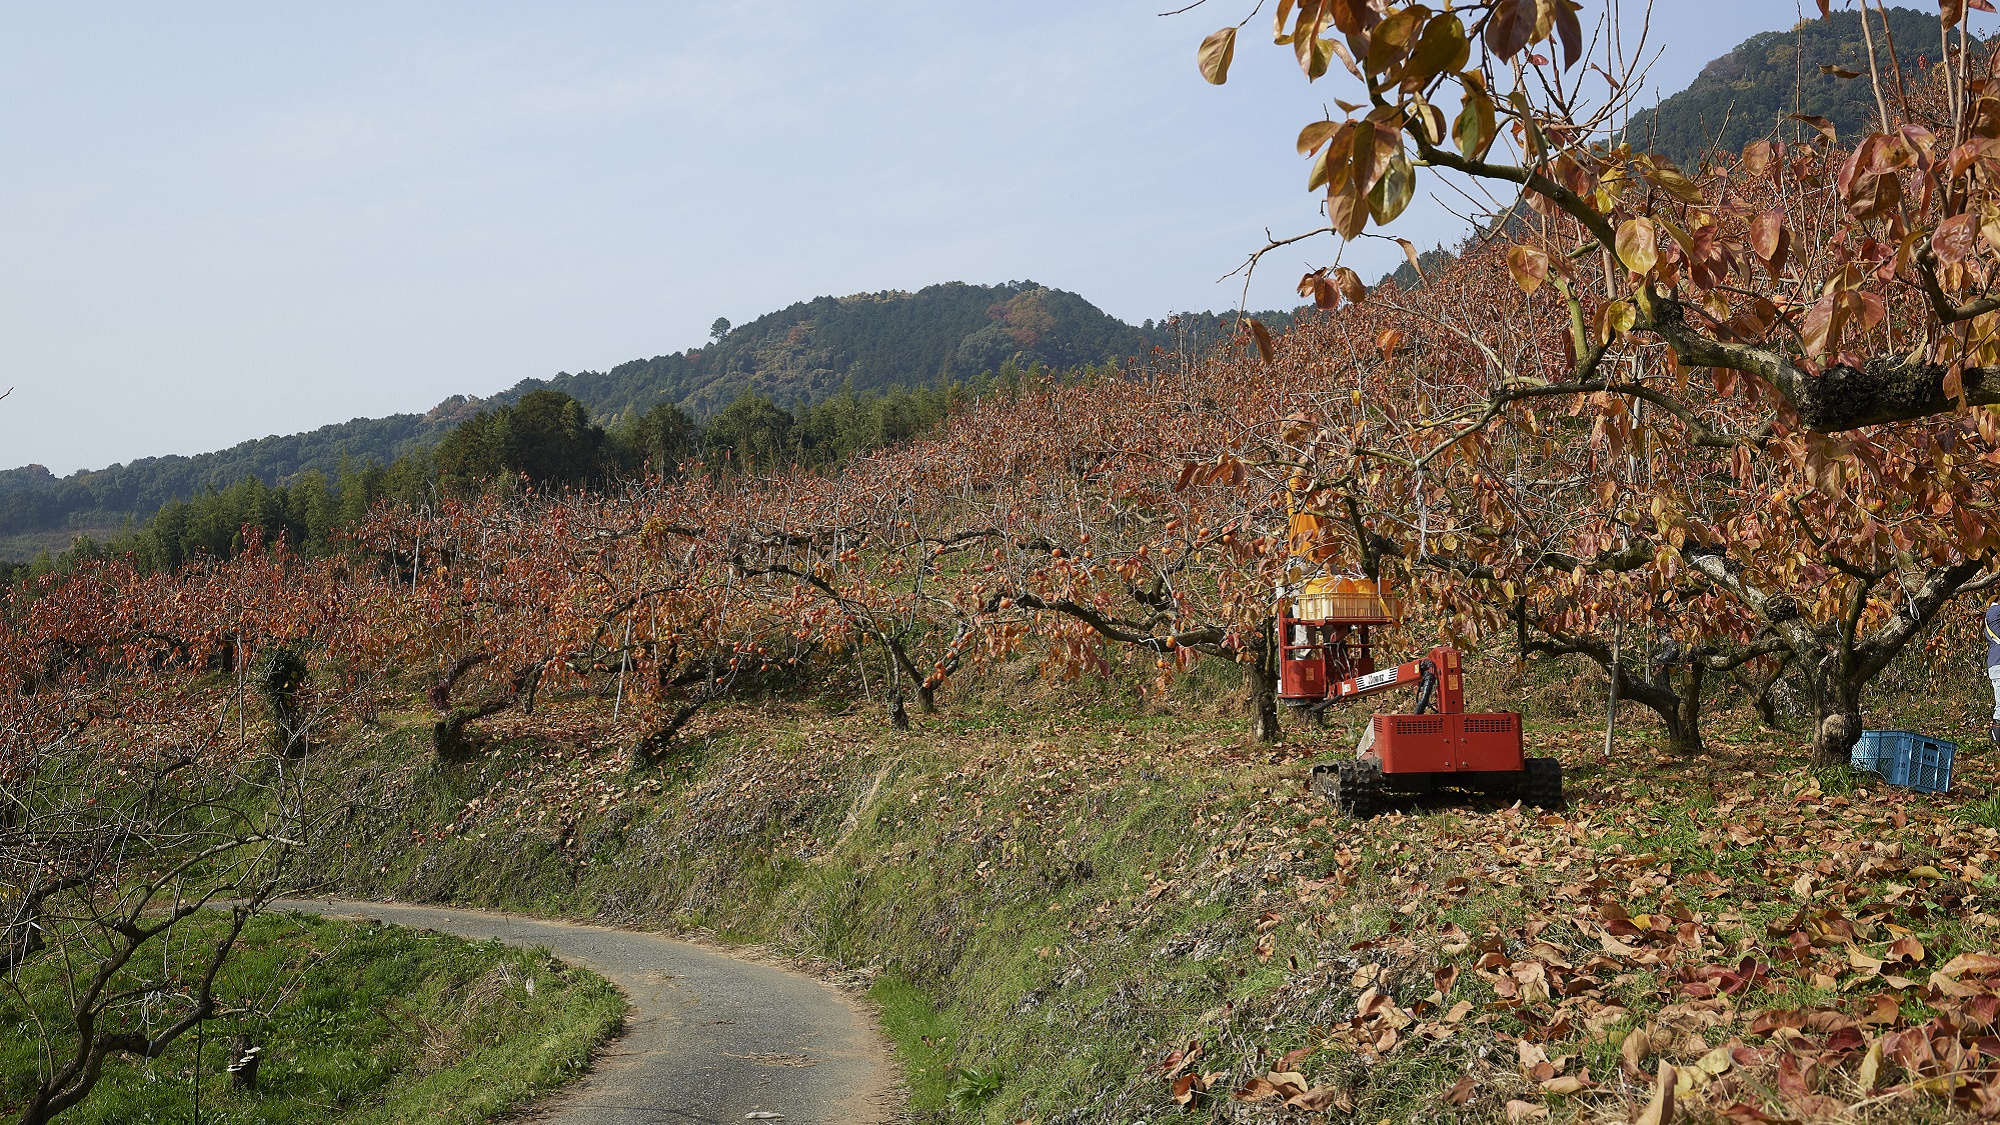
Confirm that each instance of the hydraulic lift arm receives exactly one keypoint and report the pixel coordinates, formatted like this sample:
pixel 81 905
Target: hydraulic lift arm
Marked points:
pixel 1436 676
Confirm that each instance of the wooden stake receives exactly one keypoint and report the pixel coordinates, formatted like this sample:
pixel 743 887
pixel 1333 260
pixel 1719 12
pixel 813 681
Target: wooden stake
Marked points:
pixel 624 659
pixel 1611 708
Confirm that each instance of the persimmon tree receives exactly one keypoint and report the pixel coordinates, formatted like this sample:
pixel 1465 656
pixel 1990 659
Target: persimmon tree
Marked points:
pixel 665 612
pixel 490 604
pixel 1058 518
pixel 100 887
pixel 127 807
pixel 1573 522
pixel 1146 533
pixel 889 552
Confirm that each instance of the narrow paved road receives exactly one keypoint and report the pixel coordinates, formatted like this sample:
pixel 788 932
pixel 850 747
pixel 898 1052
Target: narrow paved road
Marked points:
pixel 711 1038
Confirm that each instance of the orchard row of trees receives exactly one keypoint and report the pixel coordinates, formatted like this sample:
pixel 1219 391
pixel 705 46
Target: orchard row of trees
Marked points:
pixel 1719 422
pixel 1733 413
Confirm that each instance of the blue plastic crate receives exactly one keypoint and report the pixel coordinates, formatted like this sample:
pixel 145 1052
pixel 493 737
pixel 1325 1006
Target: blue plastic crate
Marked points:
pixel 1906 758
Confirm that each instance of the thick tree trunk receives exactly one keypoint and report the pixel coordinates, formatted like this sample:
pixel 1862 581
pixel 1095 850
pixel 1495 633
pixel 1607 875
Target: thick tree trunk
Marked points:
pixel 926 691
pixel 1834 737
pixel 1263 705
pixel 1683 718
pixel 1261 678
pixel 1836 705
pixel 448 737
pixel 1680 714
pixel 1679 708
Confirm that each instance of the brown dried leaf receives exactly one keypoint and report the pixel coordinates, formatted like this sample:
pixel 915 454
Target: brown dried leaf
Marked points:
pixel 1461 1091
pixel 1870 1068
pixel 1824 126
pixel 1529 266
pixel 1565 1084
pixel 1265 349
pixel 1217 51
pixel 1980 964
pixel 1350 285
pixel 1660 1111
pixel 1637 1045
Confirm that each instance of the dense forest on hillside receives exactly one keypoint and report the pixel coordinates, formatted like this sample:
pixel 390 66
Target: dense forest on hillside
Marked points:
pixel 1745 93
pixel 810 353
pixel 33 499
pixel 546 441
pixel 869 341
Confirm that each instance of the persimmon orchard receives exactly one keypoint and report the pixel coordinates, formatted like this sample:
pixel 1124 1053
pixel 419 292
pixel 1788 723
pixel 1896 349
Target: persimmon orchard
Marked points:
pixel 1728 421
pixel 1147 512
pixel 129 799
pixel 1720 420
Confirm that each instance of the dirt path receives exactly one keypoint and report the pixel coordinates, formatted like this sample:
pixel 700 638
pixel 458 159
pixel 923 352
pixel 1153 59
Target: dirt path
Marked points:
pixel 712 1038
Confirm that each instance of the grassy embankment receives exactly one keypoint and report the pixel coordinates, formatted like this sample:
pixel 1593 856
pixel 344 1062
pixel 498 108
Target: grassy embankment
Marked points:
pixel 1051 902
pixel 358 1021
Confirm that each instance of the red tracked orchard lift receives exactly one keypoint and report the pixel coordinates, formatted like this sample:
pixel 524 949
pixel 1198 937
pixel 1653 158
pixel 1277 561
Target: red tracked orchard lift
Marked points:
pixel 1327 657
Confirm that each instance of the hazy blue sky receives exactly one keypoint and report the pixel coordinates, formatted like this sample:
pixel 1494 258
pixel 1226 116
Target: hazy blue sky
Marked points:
pixel 219 221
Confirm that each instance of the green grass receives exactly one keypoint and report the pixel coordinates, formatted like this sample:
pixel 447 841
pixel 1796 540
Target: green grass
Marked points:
pixel 973 1087
pixel 923 1036
pixel 359 1022
pixel 1985 813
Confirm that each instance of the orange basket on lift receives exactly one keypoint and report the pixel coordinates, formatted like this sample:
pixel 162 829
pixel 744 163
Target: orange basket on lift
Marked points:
pixel 1346 600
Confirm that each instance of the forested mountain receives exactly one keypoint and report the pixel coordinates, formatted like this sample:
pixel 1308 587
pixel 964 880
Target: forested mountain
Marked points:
pixel 806 354
pixel 1745 93
pixel 33 500
pixel 869 341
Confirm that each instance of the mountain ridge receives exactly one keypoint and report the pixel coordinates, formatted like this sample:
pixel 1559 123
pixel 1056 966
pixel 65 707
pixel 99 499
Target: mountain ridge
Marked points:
pixel 1750 91
pixel 801 354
